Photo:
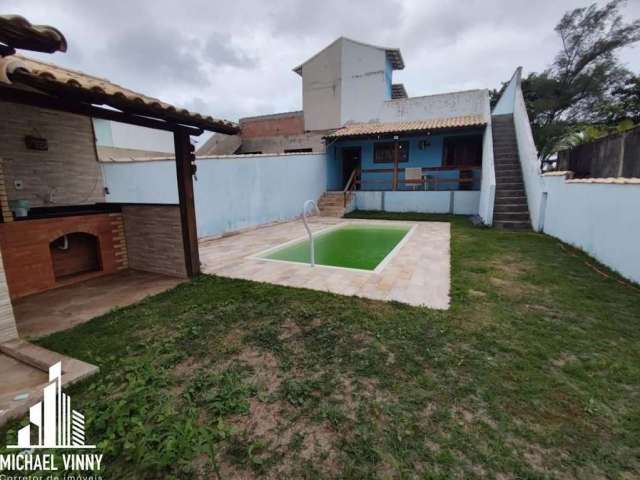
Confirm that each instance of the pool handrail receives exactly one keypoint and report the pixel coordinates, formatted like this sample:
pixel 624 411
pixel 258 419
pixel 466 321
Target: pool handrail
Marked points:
pixel 306 226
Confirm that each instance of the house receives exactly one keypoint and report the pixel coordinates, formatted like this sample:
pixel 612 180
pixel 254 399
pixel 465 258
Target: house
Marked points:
pixel 380 150
pixel 329 100
pixel 376 133
pixel 67 255
pixel 373 133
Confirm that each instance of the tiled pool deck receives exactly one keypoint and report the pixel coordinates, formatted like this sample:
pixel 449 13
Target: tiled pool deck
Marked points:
pixel 418 274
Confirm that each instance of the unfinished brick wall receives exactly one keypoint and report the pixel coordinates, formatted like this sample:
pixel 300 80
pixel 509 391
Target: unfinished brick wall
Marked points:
pixel 267 126
pixel 154 239
pixel 27 256
pixel 279 144
pixel 68 173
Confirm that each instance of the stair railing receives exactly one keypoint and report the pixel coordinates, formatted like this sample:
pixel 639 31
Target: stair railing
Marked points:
pixel 350 186
pixel 306 226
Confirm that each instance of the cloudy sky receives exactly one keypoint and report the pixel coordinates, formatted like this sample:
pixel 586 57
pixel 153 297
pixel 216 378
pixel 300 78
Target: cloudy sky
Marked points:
pixel 234 59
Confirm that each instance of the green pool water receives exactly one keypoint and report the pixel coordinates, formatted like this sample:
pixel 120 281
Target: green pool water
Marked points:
pixel 350 246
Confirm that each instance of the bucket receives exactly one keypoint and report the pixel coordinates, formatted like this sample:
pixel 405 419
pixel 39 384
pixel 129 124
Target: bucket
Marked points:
pixel 20 208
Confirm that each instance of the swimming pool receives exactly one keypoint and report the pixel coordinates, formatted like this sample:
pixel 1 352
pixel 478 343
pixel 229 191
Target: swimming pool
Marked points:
pixel 353 246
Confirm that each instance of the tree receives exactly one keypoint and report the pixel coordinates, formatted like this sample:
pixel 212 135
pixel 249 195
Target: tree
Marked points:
pixel 585 75
pixel 626 103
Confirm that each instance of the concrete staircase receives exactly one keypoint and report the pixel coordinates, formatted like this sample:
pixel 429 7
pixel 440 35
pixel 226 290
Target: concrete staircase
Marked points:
pixel 510 208
pixel 331 204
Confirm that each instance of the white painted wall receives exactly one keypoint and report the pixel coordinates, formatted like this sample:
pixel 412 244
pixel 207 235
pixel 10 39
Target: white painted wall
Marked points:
pixel 369 201
pixel 528 154
pixel 345 83
pixel 488 180
pixel 424 202
pixel 321 88
pixel 512 100
pixel 115 134
pixel 599 218
pixel 231 193
pixel 506 102
pixel 457 202
pixel 470 102
pixel 363 82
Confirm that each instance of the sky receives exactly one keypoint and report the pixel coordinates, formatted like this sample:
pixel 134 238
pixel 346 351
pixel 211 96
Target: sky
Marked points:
pixel 235 59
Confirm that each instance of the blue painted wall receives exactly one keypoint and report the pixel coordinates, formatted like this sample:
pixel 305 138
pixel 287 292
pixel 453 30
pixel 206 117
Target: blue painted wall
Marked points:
pixel 231 193
pixel 431 156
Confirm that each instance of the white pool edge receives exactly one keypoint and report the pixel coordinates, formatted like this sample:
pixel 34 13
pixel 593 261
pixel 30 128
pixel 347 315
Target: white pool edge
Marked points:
pixel 395 249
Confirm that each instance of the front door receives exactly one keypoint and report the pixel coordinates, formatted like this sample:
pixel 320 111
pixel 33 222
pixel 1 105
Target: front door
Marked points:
pixel 350 161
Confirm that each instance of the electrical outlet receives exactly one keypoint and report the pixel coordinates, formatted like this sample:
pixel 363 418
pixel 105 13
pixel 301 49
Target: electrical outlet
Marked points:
pixel 17 184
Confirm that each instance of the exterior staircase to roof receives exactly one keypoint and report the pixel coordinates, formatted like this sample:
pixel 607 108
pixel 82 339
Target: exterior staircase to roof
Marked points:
pixel 331 204
pixel 510 209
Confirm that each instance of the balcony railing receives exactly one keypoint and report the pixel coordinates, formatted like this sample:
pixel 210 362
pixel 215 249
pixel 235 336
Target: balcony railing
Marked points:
pixel 432 178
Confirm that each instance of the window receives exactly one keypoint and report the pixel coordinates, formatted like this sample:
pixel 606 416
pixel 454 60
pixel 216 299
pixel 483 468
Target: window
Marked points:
pixel 383 152
pixel 462 151
pixel 298 150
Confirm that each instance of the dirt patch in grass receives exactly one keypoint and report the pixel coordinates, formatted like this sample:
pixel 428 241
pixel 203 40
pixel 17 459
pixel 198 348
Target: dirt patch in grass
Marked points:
pixel 186 367
pixel 468 417
pixel 509 275
pixel 265 419
pixel 476 293
pixel 289 437
pixel 182 372
pixel 564 359
pixel 232 342
pixel 289 329
pixel 511 289
pixel 353 391
pixel 265 368
pixel 229 470
pixel 532 373
pixel 539 459
pixel 319 447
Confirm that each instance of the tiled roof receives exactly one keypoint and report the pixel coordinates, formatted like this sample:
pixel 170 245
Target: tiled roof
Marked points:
pixel 398 91
pixel 608 180
pixel 60 81
pixel 17 32
pixel 271 116
pixel 372 129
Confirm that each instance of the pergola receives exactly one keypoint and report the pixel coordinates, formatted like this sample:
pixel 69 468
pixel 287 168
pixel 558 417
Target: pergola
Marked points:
pixel 44 85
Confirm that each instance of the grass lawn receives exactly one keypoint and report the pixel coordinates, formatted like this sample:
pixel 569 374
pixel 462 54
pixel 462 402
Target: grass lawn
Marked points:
pixel 533 373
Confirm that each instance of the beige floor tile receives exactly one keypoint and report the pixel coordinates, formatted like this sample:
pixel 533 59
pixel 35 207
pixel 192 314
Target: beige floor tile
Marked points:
pixel 419 274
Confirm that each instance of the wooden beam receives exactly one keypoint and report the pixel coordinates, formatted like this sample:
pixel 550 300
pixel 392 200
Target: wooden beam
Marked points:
pixel 396 152
pixel 445 168
pixel 184 174
pixel 34 99
pixel 116 101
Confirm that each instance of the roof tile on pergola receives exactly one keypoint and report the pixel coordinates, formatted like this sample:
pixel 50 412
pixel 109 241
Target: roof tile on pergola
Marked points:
pixel 18 32
pixel 79 86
